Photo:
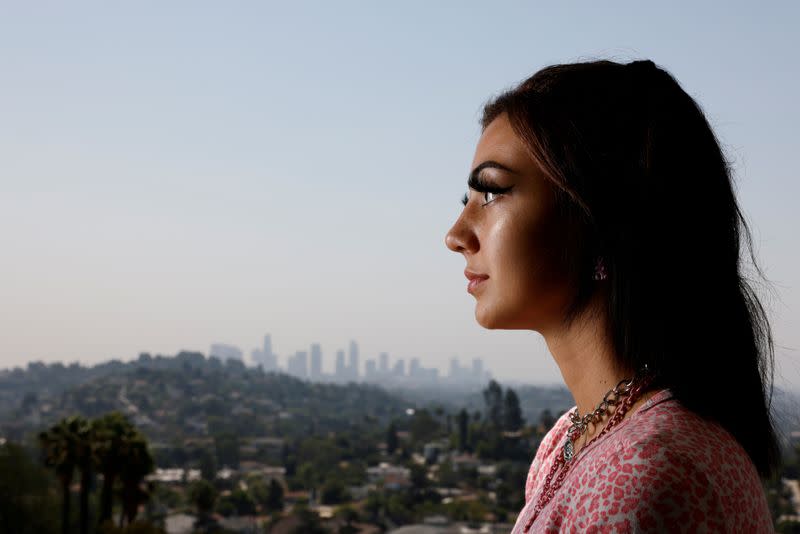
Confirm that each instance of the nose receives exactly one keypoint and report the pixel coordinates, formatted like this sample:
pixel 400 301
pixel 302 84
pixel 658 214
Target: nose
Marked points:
pixel 461 238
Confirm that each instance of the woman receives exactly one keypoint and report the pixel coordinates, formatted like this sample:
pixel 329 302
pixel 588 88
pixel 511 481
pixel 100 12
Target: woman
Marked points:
pixel 601 214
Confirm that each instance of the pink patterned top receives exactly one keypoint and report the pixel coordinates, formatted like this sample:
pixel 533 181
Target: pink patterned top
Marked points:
pixel 663 469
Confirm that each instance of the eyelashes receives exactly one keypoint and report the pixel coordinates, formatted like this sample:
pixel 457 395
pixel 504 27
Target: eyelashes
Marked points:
pixel 481 185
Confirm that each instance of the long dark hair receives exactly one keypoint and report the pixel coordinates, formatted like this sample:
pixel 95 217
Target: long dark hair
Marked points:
pixel 642 181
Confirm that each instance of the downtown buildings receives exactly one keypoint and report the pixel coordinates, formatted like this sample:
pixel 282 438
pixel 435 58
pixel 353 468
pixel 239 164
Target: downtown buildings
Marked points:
pixel 308 365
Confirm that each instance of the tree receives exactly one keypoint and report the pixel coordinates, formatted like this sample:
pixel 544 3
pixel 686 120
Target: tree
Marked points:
pixel 419 476
pixel 274 496
pixel 240 502
pixel 391 438
pixel 423 426
pixel 86 461
pixel 138 464
pixel 309 521
pixel 493 396
pixel 203 496
pixel 512 414
pixel 27 503
pixel 112 432
pixel 333 492
pixel 463 430
pixel 60 452
pixel 227 446
pixel 208 466
pixel 109 445
pixel 349 515
pixel 446 475
pixel 547 420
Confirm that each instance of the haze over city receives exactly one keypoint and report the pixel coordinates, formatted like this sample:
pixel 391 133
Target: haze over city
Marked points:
pixel 172 178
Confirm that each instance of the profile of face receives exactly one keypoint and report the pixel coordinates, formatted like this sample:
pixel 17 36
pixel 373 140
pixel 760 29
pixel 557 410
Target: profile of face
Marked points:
pixel 509 234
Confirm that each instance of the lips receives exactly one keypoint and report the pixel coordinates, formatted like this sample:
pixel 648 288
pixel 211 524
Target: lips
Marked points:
pixel 476 280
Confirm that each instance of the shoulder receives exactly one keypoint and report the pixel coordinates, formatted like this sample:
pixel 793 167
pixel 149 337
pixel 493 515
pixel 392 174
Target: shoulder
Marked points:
pixel 669 466
pixel 550 442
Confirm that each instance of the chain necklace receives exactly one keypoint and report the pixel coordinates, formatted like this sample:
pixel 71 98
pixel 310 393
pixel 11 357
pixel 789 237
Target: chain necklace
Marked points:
pixel 631 389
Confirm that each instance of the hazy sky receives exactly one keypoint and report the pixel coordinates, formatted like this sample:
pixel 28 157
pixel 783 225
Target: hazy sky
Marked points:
pixel 174 174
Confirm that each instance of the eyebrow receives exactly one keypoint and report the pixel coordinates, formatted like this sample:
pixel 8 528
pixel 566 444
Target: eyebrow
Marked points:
pixel 474 178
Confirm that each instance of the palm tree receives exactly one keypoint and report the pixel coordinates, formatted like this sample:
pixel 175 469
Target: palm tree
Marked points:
pixel 85 462
pixel 111 431
pixel 138 463
pixel 60 452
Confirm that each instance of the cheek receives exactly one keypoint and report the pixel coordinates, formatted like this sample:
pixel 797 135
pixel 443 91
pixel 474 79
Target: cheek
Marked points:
pixel 523 254
pixel 530 288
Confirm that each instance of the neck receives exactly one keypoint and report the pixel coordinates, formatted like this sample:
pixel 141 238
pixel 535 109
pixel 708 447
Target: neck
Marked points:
pixel 585 356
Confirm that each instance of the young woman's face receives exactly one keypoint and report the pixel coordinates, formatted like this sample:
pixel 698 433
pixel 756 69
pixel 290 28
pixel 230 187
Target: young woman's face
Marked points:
pixel 510 237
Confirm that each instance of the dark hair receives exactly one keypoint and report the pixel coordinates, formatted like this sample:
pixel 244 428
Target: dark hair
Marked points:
pixel 641 180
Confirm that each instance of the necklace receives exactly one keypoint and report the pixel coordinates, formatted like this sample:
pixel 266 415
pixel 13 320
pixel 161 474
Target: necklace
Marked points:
pixel 631 389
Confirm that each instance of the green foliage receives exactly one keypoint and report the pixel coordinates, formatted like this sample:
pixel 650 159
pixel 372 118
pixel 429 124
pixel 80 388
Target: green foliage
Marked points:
pixel 169 497
pixel 60 451
pixel 447 476
pixel 510 492
pixel 419 476
pixel 227 447
pixel 109 445
pixel 138 464
pixel 348 514
pixel 463 430
pixel 28 504
pixel 320 459
pixel 309 521
pixel 274 496
pixel 208 465
pixel 547 420
pixel 237 502
pixel 334 492
pixel 391 438
pixel 398 508
pixel 112 432
pixel 512 414
pixel 203 495
pixel 423 427
pixel 137 527
pixel 493 397
pixel 472 510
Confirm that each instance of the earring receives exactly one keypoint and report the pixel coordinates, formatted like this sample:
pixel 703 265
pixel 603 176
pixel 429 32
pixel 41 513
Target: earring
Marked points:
pixel 600 269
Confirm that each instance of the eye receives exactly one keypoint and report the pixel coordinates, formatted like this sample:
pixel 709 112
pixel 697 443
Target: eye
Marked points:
pixel 465 199
pixel 486 196
pixel 487 187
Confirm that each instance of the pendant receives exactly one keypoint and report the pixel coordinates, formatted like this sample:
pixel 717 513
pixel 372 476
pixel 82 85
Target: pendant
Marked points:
pixel 569 450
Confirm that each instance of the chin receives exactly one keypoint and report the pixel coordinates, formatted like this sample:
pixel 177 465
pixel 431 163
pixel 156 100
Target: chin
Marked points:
pixel 494 319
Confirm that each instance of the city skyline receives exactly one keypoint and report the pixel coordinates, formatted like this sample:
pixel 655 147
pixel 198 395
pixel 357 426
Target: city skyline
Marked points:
pixel 377 370
pixel 173 176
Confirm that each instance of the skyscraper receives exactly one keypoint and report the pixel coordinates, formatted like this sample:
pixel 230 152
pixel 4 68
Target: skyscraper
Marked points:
pixel 316 362
pixel 477 369
pixel 413 368
pixel 369 369
pixel 298 364
pixel 225 352
pixel 353 360
pixel 341 370
pixel 265 356
pixel 384 363
pixel 267 345
pixel 455 369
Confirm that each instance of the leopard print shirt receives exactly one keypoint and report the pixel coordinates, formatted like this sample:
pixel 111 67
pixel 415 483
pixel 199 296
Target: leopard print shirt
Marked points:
pixel 663 469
